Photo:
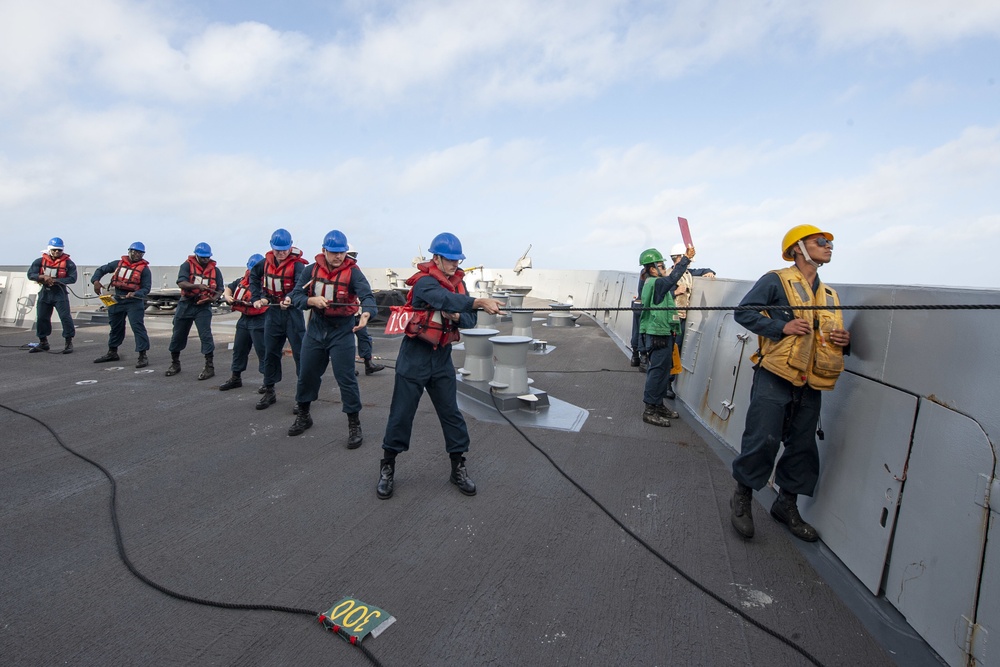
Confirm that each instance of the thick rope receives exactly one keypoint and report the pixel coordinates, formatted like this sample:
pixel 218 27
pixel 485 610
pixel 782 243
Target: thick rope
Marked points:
pixel 652 550
pixel 123 555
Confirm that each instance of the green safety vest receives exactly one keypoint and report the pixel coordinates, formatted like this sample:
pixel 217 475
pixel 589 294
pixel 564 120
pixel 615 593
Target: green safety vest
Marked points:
pixel 658 322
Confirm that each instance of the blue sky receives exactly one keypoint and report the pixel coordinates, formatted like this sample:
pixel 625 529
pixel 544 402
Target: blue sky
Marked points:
pixel 583 128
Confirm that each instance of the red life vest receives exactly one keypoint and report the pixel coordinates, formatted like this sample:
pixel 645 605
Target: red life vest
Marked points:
pixel 204 276
pixel 279 279
pixel 242 299
pixel 128 276
pixel 334 285
pixel 429 324
pixel 54 268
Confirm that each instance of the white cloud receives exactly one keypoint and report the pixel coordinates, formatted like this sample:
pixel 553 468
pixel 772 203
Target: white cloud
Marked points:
pixel 921 23
pixel 449 166
pixel 18 185
pixel 237 60
pixel 928 91
pixel 56 45
pixel 920 200
pixel 472 50
pixel 643 166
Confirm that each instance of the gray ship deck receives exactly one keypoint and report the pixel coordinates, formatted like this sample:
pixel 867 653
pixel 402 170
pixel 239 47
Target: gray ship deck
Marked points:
pixel 215 501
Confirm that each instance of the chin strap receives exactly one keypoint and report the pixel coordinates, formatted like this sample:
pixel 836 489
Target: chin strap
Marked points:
pixel 805 255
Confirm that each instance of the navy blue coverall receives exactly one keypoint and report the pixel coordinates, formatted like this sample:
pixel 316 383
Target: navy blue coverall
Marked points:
pixel 779 412
pixel 249 333
pixel 190 312
pixel 133 308
pixel 419 366
pixel 330 340
pixel 365 343
pixel 661 359
pixel 639 345
pixel 53 298
pixel 280 324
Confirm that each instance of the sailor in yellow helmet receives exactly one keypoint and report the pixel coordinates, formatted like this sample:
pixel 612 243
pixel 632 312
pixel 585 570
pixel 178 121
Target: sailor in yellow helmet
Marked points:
pixel 801 353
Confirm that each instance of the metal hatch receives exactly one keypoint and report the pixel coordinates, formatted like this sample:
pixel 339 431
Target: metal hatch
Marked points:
pixel 726 366
pixel 937 561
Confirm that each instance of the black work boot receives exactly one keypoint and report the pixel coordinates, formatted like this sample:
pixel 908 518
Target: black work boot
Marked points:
pixel 43 346
pixel 786 510
pixel 372 368
pixel 142 361
pixel 69 346
pixel 261 389
pixel 386 472
pixel 643 362
pixel 669 394
pixel 460 478
pixel 667 412
pixel 110 355
pixel 175 364
pixel 355 436
pixel 741 516
pixel 634 362
pixel 234 382
pixel 303 421
pixel 267 399
pixel 652 415
pixel 209 369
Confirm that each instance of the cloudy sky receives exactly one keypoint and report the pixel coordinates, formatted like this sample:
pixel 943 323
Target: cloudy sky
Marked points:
pixel 581 127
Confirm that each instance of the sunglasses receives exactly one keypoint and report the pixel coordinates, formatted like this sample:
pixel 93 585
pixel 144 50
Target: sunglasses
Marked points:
pixel 823 242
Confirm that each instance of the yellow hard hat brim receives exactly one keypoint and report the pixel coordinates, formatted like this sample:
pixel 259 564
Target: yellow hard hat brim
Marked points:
pixel 787 254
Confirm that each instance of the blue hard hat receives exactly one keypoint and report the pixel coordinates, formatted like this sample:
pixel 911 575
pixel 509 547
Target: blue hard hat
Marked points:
pixel 56 242
pixel 335 241
pixel 447 245
pixel 281 239
pixel 254 259
pixel 203 250
pixel 137 246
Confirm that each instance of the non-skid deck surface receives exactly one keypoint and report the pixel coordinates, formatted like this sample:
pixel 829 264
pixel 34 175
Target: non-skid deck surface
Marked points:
pixel 216 501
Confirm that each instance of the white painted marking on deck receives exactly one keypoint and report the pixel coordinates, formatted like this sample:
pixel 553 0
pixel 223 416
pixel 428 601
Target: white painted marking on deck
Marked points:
pixel 752 598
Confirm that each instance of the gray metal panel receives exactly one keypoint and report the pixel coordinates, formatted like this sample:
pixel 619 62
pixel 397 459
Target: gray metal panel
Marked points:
pixel 698 322
pixel 934 572
pixel 949 356
pixel 988 612
pixel 870 329
pixel 718 351
pixel 731 341
pixel 862 460
pixel 17 300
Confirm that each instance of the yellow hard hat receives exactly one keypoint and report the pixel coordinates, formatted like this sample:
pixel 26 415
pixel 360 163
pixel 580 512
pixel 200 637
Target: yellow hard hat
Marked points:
pixel 796 234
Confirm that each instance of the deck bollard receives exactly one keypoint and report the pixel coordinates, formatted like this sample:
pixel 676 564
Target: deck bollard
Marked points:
pixel 478 366
pixel 510 369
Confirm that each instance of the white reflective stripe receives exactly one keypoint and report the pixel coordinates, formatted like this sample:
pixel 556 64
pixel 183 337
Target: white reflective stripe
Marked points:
pixel 273 284
pixel 328 291
pixel 52 273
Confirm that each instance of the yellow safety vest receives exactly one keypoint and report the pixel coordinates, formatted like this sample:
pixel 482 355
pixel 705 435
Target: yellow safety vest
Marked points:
pixel 812 360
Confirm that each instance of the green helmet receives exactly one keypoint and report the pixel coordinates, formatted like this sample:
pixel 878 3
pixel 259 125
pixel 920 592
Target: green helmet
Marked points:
pixel 651 256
